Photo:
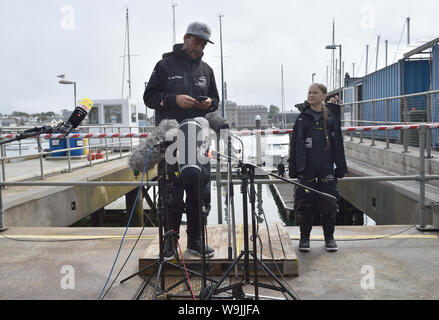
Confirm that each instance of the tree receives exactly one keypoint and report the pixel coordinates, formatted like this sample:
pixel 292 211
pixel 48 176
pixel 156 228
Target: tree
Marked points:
pixel 273 111
pixel 19 114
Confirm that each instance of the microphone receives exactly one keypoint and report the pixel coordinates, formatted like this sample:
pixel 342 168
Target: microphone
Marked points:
pixel 76 117
pixel 216 122
pixel 170 130
pixel 192 148
pixel 137 159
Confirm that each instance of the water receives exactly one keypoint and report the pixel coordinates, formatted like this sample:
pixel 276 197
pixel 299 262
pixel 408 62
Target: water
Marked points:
pixel 264 205
pixel 28 147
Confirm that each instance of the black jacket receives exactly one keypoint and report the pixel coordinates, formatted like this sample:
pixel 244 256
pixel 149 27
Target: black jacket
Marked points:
pixel 308 141
pixel 179 74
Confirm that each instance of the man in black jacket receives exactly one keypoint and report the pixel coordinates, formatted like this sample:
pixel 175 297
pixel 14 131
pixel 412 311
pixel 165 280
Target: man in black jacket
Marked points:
pixel 182 86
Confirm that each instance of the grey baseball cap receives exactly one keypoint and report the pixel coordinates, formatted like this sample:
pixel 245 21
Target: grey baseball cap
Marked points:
pixel 200 30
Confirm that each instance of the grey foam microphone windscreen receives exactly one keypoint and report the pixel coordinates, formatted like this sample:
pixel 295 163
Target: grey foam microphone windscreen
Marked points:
pixel 166 130
pixel 216 122
pixel 138 157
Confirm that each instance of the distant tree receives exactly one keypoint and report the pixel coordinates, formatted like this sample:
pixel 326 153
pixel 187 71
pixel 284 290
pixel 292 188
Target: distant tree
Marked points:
pixel 19 114
pixel 273 110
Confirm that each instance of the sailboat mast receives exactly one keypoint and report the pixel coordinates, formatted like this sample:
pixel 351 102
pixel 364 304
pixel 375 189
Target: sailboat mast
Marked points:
pixel 129 56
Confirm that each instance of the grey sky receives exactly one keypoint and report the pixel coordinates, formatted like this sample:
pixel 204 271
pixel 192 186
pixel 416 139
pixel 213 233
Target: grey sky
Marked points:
pixel 85 39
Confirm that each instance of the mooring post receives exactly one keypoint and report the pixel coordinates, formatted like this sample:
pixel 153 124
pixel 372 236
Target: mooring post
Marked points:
pixel 258 141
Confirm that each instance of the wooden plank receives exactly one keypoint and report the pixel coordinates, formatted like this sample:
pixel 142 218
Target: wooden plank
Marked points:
pixel 266 237
pixel 284 255
pixel 291 265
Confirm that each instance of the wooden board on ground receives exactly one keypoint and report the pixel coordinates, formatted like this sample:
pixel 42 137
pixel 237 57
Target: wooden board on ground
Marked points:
pixel 281 258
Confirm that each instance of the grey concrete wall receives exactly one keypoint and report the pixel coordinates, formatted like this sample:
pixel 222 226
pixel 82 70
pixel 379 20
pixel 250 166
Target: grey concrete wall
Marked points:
pixel 63 206
pixel 393 160
pixel 385 202
pixel 388 202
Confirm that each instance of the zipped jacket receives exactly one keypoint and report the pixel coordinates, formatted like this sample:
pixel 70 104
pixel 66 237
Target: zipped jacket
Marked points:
pixel 178 74
pixel 308 158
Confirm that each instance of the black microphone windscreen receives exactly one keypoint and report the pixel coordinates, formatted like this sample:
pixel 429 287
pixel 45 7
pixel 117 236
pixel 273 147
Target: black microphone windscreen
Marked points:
pixel 216 122
pixel 80 112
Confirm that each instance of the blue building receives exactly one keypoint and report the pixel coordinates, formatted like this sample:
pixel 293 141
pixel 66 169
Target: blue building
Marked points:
pixel 417 72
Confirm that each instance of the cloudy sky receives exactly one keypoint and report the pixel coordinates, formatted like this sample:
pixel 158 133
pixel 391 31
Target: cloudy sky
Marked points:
pixel 85 40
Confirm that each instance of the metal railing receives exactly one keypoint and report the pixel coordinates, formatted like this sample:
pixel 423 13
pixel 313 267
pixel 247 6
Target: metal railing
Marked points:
pixel 422 178
pixel 41 154
pixel 381 110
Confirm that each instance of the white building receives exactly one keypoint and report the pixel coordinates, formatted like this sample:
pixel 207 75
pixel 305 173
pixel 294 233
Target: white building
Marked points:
pixel 114 116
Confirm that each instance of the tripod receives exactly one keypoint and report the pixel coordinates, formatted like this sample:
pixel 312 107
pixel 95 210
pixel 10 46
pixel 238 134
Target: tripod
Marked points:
pixel 172 236
pixel 248 174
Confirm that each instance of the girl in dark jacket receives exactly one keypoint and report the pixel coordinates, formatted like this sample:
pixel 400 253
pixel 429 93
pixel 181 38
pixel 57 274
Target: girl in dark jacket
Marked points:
pixel 317 160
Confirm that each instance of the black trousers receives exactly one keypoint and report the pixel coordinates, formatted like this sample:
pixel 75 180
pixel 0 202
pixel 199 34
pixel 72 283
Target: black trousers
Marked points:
pixel 309 203
pixel 177 205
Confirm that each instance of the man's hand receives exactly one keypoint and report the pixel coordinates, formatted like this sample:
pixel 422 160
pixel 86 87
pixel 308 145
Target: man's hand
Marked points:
pixel 205 104
pixel 185 102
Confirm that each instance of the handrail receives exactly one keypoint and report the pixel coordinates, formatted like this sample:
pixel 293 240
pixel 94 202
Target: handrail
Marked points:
pixel 411 95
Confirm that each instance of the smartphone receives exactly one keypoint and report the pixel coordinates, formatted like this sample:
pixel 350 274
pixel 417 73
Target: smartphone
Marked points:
pixel 201 98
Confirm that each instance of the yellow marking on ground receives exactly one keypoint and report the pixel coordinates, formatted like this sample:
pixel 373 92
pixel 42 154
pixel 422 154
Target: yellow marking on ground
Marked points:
pixel 357 237
pixel 72 237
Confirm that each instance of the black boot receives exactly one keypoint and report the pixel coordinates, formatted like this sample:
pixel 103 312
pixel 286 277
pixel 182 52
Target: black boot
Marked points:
pixel 328 224
pixel 306 221
pixel 194 246
pixel 169 249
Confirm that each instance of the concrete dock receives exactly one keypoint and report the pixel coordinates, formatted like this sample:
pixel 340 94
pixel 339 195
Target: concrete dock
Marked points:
pixel 400 267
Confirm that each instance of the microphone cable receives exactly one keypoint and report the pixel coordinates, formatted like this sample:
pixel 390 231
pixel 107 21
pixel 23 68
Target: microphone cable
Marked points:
pixel 126 228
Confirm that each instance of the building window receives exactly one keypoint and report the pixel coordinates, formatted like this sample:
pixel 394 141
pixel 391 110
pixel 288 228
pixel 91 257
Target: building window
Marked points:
pixel 113 113
pixel 93 116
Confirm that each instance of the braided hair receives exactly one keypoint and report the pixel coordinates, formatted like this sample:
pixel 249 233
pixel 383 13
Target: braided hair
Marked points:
pixel 325 127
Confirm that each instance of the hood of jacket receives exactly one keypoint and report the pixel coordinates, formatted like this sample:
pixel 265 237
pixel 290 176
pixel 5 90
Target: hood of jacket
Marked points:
pixel 334 108
pixel 178 52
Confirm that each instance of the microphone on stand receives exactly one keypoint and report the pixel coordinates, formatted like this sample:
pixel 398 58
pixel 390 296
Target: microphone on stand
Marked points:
pixel 216 122
pixel 64 128
pixel 76 117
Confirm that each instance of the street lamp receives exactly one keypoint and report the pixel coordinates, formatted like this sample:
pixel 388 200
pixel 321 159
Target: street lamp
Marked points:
pixel 74 87
pixel 333 47
pixel 313 75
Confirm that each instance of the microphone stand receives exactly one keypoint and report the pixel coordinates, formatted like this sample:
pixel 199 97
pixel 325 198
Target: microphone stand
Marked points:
pixel 231 210
pixel 277 176
pixel 30 133
pixel 247 174
pixel 63 128
pixel 159 265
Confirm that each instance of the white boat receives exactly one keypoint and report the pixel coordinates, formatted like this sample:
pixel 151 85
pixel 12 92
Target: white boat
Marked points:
pixel 276 147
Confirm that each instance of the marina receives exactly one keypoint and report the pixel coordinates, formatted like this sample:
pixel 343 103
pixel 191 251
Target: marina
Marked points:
pixel 305 133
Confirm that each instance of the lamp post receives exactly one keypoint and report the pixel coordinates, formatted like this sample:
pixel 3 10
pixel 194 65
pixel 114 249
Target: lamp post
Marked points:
pixel 74 89
pixel 333 47
pixel 313 76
